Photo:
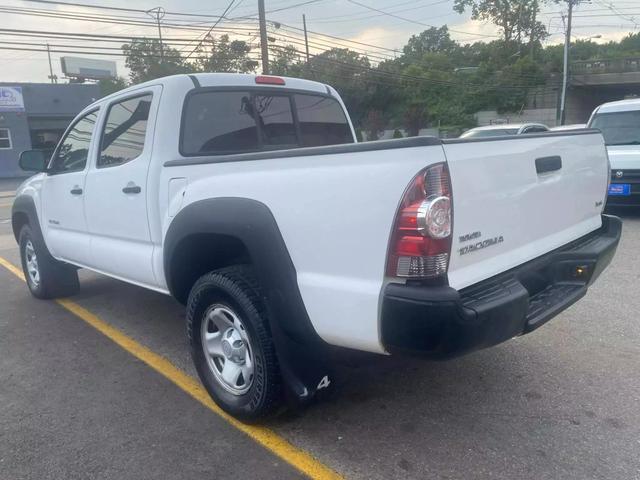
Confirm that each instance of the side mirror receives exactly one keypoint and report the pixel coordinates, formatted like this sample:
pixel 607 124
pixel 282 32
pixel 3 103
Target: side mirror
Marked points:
pixel 33 161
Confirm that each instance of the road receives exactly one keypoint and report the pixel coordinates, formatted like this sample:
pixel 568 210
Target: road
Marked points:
pixel 559 403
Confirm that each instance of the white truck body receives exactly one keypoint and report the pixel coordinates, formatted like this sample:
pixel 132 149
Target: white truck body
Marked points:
pixel 335 209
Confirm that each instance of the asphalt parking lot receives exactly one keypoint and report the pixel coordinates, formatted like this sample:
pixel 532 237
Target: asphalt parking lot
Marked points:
pixel 561 403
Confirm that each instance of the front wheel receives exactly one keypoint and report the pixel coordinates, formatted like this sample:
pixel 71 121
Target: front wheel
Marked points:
pixel 46 277
pixel 231 343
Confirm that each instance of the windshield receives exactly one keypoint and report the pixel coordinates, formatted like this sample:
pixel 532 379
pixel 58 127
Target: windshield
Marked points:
pixel 497 132
pixel 619 128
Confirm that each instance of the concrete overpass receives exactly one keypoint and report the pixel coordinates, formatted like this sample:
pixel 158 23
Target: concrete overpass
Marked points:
pixel 594 82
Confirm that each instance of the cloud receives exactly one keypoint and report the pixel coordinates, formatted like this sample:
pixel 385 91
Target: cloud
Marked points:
pixel 472 31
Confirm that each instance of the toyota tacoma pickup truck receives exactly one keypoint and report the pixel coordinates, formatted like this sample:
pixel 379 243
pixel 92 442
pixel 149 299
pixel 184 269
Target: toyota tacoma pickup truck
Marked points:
pixel 248 199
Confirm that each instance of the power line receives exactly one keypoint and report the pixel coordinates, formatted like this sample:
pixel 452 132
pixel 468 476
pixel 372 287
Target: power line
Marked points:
pixel 415 21
pixel 211 29
pixel 350 18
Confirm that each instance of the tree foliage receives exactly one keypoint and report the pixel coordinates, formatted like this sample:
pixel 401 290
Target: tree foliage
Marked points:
pixel 224 55
pixel 436 81
pixel 517 19
pixel 146 61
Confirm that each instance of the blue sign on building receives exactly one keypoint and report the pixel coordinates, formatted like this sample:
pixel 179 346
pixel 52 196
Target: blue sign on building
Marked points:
pixel 11 99
pixel 35 115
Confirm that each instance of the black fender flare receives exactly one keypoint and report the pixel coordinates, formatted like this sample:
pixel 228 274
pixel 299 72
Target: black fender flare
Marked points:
pixel 302 354
pixel 24 204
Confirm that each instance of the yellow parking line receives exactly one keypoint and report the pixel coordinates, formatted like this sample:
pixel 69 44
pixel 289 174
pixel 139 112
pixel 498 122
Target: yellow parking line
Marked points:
pixel 266 437
pixel 7 194
pixel 6 204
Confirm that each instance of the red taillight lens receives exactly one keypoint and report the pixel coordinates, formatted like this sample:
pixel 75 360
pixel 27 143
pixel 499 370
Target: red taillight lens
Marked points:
pixel 269 80
pixel 421 239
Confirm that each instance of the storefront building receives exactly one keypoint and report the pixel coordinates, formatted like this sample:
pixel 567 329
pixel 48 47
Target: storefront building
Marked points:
pixel 35 115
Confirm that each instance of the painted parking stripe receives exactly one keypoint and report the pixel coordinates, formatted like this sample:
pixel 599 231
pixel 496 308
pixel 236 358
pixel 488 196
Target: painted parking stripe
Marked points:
pixel 301 460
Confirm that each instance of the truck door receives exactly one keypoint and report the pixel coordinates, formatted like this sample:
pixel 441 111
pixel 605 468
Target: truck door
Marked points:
pixel 63 190
pixel 117 194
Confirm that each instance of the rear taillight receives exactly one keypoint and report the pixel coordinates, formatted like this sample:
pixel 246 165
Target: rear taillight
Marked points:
pixel 421 238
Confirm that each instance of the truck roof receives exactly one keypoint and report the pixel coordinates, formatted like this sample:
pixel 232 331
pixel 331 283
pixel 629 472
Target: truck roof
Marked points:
pixel 229 80
pixel 619 106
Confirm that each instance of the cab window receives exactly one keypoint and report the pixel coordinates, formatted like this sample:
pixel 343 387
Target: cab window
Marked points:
pixel 217 122
pixel 72 152
pixel 125 130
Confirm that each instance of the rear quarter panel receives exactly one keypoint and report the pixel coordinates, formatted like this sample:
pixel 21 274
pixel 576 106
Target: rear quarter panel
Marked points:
pixel 335 213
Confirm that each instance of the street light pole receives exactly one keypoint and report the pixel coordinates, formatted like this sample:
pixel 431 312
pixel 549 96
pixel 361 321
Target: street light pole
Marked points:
pixel 565 64
pixel 264 46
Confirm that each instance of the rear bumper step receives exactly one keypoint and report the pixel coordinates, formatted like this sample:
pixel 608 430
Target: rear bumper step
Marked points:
pixel 441 322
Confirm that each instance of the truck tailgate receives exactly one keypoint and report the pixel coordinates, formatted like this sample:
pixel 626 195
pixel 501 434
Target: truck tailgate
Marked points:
pixel 515 199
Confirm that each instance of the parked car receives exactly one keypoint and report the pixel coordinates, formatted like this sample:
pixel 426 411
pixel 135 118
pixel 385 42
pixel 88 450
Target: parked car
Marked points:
pixel 506 129
pixel 248 199
pixel 619 123
pixel 573 126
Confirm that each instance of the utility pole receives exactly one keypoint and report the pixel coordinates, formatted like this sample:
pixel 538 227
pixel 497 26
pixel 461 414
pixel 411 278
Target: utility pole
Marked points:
pixel 54 78
pixel 158 13
pixel 565 65
pixel 264 46
pixel 532 38
pixel 306 39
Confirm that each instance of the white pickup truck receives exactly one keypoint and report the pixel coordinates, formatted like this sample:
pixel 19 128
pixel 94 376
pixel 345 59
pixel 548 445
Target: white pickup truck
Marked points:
pixel 248 199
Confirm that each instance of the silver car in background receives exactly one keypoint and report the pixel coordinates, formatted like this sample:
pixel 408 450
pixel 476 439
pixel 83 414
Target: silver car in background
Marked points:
pixel 505 129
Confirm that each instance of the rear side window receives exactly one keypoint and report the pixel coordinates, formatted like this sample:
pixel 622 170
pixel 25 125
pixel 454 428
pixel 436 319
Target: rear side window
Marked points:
pixel 322 121
pixel 124 131
pixel 228 122
pixel 219 123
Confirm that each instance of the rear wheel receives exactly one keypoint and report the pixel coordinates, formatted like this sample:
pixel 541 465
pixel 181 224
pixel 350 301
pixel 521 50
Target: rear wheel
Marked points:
pixel 231 343
pixel 46 277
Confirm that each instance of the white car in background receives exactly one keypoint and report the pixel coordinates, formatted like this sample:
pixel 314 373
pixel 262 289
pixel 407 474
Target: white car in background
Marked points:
pixel 504 130
pixel 573 126
pixel 619 123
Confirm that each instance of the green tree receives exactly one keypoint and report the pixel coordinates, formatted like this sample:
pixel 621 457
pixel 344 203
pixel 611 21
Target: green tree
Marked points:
pixel 224 55
pixel 285 61
pixel 415 118
pixel 111 85
pixel 517 19
pixel 347 71
pixel 145 61
pixel 432 40
pixel 374 123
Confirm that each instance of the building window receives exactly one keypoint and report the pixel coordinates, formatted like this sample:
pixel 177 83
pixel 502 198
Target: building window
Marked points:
pixel 5 139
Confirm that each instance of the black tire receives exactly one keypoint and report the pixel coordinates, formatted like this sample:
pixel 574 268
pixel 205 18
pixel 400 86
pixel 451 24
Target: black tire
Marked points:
pixel 56 279
pixel 237 289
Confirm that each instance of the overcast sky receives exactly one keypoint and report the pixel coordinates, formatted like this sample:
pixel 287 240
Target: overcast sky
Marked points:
pixel 346 19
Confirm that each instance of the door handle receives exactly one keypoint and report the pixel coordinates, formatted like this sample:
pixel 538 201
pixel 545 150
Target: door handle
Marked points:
pixel 548 164
pixel 76 190
pixel 131 188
